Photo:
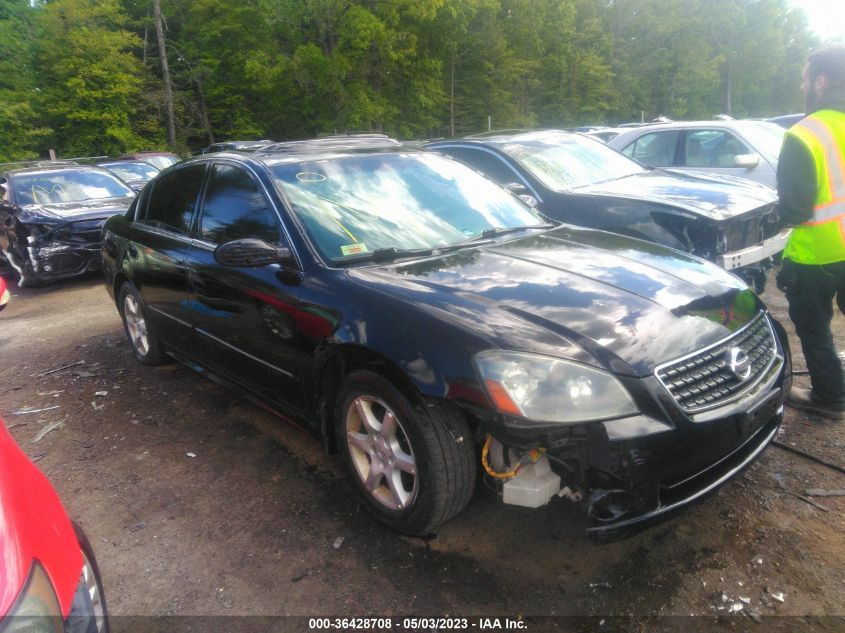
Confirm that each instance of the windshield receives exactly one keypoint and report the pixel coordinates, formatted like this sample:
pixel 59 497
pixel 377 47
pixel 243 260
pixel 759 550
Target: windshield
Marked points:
pixel 565 161
pixel 358 204
pixel 132 171
pixel 765 137
pixel 67 185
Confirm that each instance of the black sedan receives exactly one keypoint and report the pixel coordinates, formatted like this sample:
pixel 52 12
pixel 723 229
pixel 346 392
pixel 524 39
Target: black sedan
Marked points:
pixel 51 219
pixel 730 221
pixel 410 312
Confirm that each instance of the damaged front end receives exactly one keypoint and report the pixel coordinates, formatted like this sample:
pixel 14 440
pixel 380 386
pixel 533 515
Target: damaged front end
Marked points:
pixel 700 422
pixel 42 249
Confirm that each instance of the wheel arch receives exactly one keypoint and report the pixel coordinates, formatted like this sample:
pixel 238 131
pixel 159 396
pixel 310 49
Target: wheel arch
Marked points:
pixel 348 358
pixel 119 279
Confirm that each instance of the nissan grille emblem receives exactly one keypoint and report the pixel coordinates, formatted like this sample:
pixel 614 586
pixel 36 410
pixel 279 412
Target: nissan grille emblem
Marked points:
pixel 739 364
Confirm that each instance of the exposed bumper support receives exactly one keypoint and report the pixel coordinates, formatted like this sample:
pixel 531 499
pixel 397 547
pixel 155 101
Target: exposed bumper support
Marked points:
pixel 756 253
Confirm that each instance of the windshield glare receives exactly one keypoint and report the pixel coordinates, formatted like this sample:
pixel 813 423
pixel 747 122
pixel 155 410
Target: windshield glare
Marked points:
pixel 132 171
pixel 66 186
pixel 352 205
pixel 160 162
pixel 565 161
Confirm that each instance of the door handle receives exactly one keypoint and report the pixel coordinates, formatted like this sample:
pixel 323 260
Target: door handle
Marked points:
pixel 196 283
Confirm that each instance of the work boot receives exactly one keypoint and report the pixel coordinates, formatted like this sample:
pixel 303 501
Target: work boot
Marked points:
pixel 802 399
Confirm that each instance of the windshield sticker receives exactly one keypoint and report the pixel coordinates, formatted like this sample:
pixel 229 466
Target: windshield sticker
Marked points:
pixel 353 249
pixel 310 176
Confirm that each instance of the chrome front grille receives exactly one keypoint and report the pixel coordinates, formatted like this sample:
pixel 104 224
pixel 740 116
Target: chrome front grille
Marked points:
pixel 716 375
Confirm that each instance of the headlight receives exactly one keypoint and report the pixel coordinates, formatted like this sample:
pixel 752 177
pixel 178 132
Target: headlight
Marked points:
pixel 37 609
pixel 551 390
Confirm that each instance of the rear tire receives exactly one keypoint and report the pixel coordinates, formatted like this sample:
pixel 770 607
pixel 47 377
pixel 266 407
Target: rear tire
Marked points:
pixel 414 465
pixel 142 337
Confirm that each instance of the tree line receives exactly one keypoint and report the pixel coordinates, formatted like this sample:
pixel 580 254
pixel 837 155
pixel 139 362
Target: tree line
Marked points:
pixel 102 77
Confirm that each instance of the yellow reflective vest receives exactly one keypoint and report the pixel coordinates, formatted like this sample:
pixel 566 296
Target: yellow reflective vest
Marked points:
pixel 821 240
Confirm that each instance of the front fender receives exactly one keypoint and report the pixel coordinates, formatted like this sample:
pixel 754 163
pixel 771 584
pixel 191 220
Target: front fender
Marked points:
pixel 369 325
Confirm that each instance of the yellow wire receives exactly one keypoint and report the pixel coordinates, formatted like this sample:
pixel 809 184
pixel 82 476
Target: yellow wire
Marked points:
pixel 486 449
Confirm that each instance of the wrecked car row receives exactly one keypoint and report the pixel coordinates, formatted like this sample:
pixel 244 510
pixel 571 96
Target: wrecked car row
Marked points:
pixel 52 216
pixel 52 212
pixel 427 324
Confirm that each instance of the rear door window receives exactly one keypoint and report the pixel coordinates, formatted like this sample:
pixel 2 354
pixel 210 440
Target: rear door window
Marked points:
pixel 173 199
pixel 656 149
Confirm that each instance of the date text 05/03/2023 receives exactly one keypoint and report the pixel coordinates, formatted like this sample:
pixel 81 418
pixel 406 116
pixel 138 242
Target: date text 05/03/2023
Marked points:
pixel 416 624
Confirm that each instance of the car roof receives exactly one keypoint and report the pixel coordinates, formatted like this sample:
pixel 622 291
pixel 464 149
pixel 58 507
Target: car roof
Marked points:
pixel 786 120
pixel 729 124
pixel 119 163
pixel 240 144
pixel 503 136
pixel 134 155
pixel 352 142
pixel 46 169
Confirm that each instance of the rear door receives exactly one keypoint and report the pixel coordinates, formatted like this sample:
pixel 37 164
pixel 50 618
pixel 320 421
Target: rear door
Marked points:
pixel 159 247
pixel 244 316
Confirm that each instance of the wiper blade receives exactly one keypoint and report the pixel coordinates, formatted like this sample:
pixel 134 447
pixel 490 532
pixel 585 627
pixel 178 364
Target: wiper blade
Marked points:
pixel 502 230
pixel 389 254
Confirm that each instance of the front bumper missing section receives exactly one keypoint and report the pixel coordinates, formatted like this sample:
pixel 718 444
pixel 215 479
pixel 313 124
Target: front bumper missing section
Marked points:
pixel 607 509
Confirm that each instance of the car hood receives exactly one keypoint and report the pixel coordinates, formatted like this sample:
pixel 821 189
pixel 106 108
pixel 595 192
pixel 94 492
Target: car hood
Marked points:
pixel 596 297
pixel 33 526
pixel 712 196
pixel 72 211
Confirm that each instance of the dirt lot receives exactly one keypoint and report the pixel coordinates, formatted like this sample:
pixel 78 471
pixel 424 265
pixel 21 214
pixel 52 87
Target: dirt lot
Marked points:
pixel 199 503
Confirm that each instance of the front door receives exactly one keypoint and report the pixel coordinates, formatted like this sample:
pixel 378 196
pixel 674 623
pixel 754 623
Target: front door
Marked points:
pixel 244 316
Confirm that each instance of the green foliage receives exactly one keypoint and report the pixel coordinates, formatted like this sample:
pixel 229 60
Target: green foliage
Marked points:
pixel 84 76
pixel 21 131
pixel 89 76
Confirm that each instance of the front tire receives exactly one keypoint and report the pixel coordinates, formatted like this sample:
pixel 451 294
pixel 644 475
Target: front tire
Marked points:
pixel 414 465
pixel 89 612
pixel 142 338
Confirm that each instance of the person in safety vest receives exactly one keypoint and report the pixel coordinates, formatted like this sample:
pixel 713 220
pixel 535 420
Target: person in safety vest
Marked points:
pixel 811 186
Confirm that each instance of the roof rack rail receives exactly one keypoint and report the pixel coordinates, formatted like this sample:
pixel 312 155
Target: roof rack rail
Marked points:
pixel 339 142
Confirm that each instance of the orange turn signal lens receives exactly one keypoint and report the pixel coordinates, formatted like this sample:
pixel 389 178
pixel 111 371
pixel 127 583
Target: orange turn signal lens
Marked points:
pixel 501 399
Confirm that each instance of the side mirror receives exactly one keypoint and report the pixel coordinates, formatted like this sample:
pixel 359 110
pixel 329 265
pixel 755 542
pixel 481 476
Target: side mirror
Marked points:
pixel 747 161
pixel 250 253
pixel 521 192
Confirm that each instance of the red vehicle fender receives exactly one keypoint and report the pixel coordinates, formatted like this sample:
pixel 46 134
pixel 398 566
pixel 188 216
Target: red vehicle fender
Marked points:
pixel 4 293
pixel 33 526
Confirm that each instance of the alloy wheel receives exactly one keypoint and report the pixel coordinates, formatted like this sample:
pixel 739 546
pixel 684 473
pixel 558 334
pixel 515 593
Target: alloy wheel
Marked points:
pixel 381 453
pixel 136 326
